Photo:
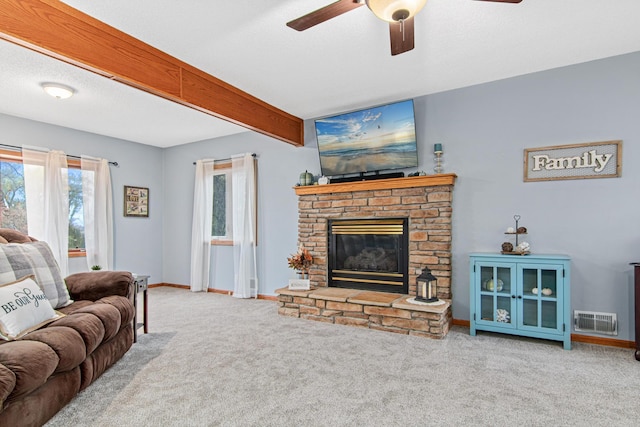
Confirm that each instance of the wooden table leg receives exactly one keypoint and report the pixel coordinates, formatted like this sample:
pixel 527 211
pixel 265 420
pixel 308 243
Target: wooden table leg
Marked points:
pixel 135 316
pixel 146 330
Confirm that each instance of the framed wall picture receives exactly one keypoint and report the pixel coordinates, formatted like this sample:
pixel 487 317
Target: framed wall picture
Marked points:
pixel 136 201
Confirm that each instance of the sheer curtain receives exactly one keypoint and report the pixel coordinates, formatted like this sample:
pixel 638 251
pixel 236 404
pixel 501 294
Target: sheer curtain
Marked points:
pixel 201 225
pixel 46 186
pixel 244 244
pixel 97 199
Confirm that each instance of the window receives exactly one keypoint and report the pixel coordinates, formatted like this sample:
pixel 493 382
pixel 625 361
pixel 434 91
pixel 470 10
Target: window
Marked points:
pixel 221 225
pixel 76 212
pixel 13 212
pixel 222 220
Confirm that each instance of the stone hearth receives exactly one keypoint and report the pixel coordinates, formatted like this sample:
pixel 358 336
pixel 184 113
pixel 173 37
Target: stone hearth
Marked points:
pixel 367 309
pixel 427 203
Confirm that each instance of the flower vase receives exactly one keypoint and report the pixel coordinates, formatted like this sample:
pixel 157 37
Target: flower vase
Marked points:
pixel 302 283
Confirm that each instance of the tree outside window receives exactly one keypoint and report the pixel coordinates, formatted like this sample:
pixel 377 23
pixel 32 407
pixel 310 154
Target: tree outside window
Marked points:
pixel 221 225
pixel 13 211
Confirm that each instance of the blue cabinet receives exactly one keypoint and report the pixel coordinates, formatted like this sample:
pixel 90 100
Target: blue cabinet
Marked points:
pixel 524 295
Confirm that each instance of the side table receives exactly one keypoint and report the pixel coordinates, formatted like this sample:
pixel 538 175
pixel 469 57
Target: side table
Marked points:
pixel 141 283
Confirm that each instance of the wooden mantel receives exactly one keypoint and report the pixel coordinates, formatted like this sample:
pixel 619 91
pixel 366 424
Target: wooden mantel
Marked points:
pixel 379 184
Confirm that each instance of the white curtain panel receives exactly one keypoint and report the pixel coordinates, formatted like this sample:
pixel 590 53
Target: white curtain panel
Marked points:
pixel 97 200
pixel 46 185
pixel 201 226
pixel 244 245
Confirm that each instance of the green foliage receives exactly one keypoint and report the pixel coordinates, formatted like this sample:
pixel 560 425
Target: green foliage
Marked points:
pixel 219 222
pixel 13 209
pixel 76 213
pixel 96 267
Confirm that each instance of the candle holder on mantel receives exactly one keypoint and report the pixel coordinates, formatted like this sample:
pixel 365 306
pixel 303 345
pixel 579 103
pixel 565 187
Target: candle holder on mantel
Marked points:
pixel 437 150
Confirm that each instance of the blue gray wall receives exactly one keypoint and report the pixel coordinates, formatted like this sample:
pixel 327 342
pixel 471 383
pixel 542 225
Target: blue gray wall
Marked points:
pixel 137 240
pixel 484 130
pixel 279 166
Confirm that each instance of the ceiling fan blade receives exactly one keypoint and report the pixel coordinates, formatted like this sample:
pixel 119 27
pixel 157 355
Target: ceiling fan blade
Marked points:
pixel 323 14
pixel 401 34
pixel 503 1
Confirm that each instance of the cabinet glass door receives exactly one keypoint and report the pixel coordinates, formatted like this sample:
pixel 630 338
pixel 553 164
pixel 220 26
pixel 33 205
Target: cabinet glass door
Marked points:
pixel 497 285
pixel 541 297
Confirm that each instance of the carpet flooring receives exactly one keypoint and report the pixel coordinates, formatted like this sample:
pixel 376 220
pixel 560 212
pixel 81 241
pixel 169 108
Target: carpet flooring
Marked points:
pixel 213 360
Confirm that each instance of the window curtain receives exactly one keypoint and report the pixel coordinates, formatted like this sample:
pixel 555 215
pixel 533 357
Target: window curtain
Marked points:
pixel 97 199
pixel 201 226
pixel 46 186
pixel 244 244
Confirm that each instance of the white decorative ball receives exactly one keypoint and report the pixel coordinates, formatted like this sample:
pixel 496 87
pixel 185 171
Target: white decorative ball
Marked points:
pixel 489 285
pixel 511 230
pixel 546 291
pixel 534 291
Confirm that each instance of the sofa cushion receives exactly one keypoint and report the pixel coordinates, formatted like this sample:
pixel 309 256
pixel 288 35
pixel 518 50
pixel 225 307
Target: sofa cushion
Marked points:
pixel 108 315
pixel 7 383
pixel 23 308
pixel 36 408
pixel 87 325
pixel 123 305
pixel 32 362
pixel 23 259
pixel 75 306
pixel 66 342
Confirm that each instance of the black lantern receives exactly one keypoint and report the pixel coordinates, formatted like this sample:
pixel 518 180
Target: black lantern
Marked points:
pixel 426 286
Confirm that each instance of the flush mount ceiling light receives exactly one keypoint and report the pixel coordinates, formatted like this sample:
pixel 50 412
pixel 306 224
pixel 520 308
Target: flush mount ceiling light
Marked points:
pixel 57 90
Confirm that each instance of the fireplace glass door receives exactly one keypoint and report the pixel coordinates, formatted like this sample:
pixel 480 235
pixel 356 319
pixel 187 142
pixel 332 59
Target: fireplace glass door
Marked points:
pixel 369 254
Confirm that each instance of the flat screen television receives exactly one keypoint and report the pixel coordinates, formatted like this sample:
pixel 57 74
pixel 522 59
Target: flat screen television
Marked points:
pixel 375 139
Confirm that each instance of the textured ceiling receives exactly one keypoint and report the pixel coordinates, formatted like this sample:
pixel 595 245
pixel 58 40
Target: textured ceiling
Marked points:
pixel 337 66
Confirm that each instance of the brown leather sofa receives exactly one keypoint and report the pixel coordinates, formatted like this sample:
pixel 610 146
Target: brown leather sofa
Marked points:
pixel 42 371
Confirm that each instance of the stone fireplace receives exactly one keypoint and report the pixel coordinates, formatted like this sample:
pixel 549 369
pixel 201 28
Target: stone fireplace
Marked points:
pixel 423 205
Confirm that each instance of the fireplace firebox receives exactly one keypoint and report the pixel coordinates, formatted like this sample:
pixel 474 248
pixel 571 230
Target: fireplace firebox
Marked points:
pixel 369 254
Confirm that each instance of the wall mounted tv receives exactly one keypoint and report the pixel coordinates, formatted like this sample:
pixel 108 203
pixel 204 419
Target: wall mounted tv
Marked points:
pixel 375 139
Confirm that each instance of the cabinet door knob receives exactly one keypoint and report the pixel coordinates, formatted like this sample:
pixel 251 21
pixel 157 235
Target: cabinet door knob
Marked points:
pixel 513 296
pixel 519 296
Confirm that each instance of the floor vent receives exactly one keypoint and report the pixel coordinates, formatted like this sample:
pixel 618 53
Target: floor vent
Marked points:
pixel 591 321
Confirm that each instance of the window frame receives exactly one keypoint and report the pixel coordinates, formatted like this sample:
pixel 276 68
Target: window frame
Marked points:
pixel 226 166
pixel 16 157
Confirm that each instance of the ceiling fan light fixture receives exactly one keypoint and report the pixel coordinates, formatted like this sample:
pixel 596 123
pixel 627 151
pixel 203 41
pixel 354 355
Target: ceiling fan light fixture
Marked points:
pixel 57 90
pixel 395 10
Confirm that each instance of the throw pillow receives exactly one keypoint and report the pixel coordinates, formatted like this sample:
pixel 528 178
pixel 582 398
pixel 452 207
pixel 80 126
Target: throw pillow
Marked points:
pixel 23 308
pixel 23 259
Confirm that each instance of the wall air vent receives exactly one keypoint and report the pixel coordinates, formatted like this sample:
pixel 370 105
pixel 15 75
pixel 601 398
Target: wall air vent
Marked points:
pixel 591 321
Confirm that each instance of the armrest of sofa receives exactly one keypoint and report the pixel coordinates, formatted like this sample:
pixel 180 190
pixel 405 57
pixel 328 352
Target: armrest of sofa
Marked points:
pixel 99 284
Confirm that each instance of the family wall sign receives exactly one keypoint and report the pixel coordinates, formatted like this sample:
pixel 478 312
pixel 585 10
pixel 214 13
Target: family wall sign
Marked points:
pixel 577 161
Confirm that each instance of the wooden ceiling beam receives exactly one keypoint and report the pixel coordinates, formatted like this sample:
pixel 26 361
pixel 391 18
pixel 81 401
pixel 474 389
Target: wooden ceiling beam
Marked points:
pixel 54 28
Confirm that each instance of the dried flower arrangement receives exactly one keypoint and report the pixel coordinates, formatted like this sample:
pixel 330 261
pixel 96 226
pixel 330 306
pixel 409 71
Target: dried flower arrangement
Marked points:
pixel 300 261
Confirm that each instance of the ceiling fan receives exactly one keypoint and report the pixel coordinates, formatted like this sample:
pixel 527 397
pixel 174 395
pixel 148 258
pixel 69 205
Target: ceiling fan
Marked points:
pixel 398 13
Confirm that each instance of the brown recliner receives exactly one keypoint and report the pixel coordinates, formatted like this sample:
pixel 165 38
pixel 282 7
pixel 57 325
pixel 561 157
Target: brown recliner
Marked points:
pixel 43 370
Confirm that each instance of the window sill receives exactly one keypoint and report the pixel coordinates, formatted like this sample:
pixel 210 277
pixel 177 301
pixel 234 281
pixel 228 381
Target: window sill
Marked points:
pixel 77 254
pixel 217 242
